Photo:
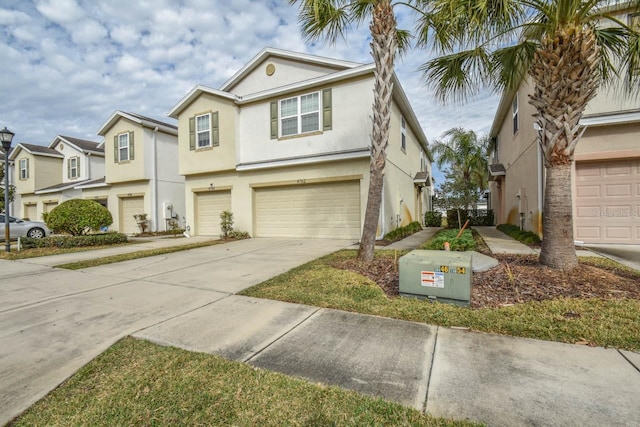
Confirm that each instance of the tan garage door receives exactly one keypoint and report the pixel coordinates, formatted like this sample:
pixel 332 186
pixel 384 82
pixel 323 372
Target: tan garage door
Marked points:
pixel 313 210
pixel 30 212
pixel 48 206
pixel 130 206
pixel 208 209
pixel 608 201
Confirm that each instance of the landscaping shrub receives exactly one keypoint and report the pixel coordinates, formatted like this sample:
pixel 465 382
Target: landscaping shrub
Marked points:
pixel 74 241
pixel 478 217
pixel 433 219
pixel 226 223
pixel 77 217
pixel 463 243
pixel 526 237
pixel 402 232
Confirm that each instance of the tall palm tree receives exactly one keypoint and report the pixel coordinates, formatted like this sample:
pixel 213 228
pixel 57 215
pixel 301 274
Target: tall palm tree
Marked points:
pixel 466 157
pixel 330 19
pixel 569 49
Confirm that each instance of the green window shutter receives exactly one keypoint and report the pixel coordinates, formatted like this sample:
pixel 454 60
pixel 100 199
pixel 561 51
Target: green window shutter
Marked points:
pixel 115 149
pixel 68 168
pixel 78 167
pixel 215 130
pixel 326 109
pixel 274 119
pixel 131 147
pixel 192 133
pixel 27 168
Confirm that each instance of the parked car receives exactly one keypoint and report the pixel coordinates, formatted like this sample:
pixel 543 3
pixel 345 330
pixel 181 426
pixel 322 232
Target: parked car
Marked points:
pixel 22 228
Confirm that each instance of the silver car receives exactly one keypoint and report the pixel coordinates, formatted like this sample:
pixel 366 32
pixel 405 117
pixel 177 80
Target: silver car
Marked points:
pixel 21 228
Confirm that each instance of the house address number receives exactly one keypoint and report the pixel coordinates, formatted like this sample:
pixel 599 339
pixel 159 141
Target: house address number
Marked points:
pixel 301 181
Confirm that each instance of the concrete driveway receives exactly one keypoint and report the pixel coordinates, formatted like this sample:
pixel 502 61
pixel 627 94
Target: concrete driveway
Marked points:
pixel 56 321
pixel 628 255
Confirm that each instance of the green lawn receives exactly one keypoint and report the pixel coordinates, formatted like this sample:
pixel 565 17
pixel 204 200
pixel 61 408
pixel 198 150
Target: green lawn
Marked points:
pixel 39 252
pixel 139 383
pixel 609 323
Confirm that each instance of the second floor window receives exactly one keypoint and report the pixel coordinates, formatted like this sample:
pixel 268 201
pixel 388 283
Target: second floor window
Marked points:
pixel 203 130
pixel 123 147
pixel 300 114
pixel 24 168
pixel 514 112
pixel 403 130
pixel 73 170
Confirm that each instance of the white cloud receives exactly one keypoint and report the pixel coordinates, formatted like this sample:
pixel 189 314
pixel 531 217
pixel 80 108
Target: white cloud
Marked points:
pixel 60 11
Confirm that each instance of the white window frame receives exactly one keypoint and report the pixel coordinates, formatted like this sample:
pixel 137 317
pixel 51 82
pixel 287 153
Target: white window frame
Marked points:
pixel 515 117
pixel 204 131
pixel 73 170
pixel 403 134
pixel 299 115
pixel 24 170
pixel 124 137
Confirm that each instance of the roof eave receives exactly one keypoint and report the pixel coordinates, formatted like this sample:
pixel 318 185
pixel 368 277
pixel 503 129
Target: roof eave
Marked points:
pixel 193 94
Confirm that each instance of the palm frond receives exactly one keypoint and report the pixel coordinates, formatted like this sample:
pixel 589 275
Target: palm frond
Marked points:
pixel 511 64
pixel 324 19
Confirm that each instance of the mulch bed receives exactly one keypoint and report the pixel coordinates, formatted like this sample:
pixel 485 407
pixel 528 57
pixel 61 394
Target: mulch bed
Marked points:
pixel 517 279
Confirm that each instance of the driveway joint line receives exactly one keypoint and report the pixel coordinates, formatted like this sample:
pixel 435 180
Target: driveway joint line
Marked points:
pixel 637 368
pixel 248 359
pixel 433 361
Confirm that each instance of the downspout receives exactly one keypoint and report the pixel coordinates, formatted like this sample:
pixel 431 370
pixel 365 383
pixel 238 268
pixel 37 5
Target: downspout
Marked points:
pixel 382 228
pixel 540 187
pixel 88 165
pixel 154 181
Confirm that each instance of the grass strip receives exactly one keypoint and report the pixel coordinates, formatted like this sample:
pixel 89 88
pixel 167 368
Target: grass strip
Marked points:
pixel 607 323
pixel 77 265
pixel 136 382
pixel 40 252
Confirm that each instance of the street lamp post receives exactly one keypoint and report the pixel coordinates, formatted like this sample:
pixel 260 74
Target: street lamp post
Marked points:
pixel 6 136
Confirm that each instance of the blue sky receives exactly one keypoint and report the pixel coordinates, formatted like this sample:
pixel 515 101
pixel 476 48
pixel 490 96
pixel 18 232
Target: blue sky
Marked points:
pixel 69 64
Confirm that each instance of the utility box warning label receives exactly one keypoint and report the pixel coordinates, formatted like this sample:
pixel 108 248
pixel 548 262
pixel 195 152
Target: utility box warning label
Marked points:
pixel 432 279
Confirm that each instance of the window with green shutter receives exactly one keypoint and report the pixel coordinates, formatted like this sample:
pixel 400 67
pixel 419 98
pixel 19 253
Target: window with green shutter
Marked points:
pixel 204 131
pixel 301 114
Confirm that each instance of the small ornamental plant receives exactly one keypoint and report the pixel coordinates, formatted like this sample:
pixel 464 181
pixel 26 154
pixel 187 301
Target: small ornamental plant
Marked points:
pixel 78 217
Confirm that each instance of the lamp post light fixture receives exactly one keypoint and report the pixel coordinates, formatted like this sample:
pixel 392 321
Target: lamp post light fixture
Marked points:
pixel 6 136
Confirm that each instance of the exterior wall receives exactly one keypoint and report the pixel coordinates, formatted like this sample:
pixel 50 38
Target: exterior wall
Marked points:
pixel 286 72
pixel 42 200
pixel 43 172
pixel 209 159
pixel 170 182
pixel 351 126
pixel 609 142
pixel 96 166
pixel 242 192
pixel 68 152
pixel 520 156
pixel 131 170
pixel 115 192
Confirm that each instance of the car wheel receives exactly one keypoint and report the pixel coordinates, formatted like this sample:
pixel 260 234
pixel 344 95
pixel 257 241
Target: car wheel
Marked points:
pixel 36 233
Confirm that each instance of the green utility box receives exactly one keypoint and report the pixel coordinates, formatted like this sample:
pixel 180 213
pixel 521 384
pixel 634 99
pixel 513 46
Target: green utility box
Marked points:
pixel 437 275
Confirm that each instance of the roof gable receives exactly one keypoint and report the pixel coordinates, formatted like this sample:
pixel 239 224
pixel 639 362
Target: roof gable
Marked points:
pixel 36 150
pixel 81 145
pixel 138 119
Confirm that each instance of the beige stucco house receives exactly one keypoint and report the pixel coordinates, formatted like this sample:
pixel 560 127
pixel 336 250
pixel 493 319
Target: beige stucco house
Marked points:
pixel 284 145
pixel 606 174
pixel 140 172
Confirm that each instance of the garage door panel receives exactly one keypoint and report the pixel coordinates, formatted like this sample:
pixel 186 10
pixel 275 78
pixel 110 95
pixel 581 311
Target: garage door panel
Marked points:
pixel 131 206
pixel 330 210
pixel 607 195
pixel 209 206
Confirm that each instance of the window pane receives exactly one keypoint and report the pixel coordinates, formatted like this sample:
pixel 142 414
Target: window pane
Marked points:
pixel 203 139
pixel 124 154
pixel 290 126
pixel 123 140
pixel 310 122
pixel 309 103
pixel 203 123
pixel 289 107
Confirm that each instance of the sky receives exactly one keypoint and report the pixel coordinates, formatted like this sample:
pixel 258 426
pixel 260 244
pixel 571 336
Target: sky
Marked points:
pixel 67 65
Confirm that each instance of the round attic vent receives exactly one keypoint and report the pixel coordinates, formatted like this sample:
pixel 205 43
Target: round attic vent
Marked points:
pixel 270 69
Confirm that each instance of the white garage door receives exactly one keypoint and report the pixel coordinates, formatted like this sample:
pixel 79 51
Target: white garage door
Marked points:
pixel 313 210
pixel 208 209
pixel 30 212
pixel 608 202
pixel 131 206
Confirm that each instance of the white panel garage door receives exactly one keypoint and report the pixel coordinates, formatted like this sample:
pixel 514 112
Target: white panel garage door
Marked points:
pixel 208 209
pixel 31 212
pixel 130 206
pixel 608 202
pixel 313 210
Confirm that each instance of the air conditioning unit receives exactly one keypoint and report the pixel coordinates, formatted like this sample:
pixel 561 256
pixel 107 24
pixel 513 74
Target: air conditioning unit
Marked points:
pixel 436 275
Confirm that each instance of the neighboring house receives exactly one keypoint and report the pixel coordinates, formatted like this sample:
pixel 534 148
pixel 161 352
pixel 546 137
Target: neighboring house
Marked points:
pixel 606 174
pixel 140 172
pixel 284 145
pixel 16 198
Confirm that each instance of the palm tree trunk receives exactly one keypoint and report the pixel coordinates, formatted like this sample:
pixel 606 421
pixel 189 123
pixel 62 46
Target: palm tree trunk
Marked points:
pixel 558 247
pixel 383 50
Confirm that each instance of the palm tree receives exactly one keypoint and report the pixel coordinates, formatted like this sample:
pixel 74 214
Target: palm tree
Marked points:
pixel 466 157
pixel 569 49
pixel 330 19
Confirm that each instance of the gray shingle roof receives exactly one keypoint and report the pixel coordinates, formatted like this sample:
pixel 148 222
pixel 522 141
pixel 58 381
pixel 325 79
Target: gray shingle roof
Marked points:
pixel 84 144
pixel 40 149
pixel 149 119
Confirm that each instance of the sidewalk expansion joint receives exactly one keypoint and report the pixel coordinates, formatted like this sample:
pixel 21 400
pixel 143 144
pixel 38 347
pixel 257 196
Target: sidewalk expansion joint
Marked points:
pixel 637 368
pixel 433 361
pixel 248 359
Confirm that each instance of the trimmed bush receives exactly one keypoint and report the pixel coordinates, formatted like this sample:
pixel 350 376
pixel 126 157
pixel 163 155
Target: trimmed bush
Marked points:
pixel 433 219
pixel 402 232
pixel 526 237
pixel 476 217
pixel 465 242
pixel 74 241
pixel 77 217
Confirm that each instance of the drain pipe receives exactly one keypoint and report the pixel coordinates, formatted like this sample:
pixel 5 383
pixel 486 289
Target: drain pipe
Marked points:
pixel 540 187
pixel 154 179
pixel 382 227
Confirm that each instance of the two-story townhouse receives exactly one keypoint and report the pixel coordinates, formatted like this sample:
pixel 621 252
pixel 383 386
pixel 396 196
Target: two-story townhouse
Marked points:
pixel 606 173
pixel 16 198
pixel 140 172
pixel 284 144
